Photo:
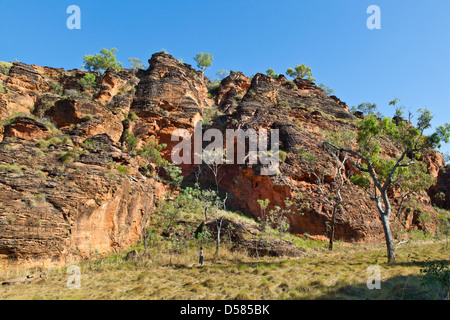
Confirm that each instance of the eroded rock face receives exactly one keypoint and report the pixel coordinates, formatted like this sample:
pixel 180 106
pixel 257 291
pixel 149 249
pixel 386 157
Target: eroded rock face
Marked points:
pixel 62 197
pixel 92 118
pixel 26 128
pixel 56 215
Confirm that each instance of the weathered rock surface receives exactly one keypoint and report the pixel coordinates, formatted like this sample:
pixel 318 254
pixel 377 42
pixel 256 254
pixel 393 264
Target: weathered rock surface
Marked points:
pixel 62 198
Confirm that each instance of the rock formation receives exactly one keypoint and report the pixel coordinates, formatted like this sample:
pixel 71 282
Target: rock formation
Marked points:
pixel 63 197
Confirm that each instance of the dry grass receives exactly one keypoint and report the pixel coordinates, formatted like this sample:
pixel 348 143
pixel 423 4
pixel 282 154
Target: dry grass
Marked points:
pixel 340 274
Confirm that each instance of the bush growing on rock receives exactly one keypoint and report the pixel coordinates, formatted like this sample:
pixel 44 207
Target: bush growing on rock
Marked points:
pixel 57 88
pixel 102 61
pixel 204 61
pixel 5 67
pixel 89 81
pixel 300 72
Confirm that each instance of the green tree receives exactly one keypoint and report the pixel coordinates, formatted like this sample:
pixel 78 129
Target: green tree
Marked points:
pixel 328 91
pixel 398 109
pixel 301 72
pixel 102 61
pixel 272 73
pixel 204 61
pixel 263 204
pixel 222 74
pixel 368 108
pixel 136 64
pixel 88 81
pixel 409 140
pixel 411 180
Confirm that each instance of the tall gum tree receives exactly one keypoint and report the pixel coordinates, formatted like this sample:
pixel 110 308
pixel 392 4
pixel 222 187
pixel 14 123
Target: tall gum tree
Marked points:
pixel 409 141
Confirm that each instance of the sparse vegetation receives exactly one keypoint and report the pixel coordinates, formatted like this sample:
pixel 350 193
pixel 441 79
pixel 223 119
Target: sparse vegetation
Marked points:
pixel 300 72
pixel 57 88
pixel 204 61
pixel 89 81
pixel 102 61
pixel 5 67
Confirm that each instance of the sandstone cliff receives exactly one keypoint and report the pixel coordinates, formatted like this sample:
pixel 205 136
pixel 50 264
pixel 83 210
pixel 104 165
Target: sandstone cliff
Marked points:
pixel 70 188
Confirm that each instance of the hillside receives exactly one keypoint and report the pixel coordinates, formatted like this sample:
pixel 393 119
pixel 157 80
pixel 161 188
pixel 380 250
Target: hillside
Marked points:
pixel 79 176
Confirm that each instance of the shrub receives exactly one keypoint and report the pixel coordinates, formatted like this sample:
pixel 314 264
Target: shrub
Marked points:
pixel 284 104
pixel 436 276
pixel 282 155
pixel 57 88
pixel 133 116
pixel 124 170
pixel 2 88
pixel 239 96
pixel 53 141
pixel 291 84
pixel 213 88
pixel 70 156
pixel 102 61
pixel 41 175
pixel 87 118
pixel 88 81
pixel 5 67
pixel 12 168
pixel 130 140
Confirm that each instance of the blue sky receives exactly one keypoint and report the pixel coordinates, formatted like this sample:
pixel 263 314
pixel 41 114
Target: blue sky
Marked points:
pixel 408 58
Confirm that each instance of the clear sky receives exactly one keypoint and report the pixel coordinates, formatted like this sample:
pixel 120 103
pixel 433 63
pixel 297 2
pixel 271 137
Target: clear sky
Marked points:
pixel 409 57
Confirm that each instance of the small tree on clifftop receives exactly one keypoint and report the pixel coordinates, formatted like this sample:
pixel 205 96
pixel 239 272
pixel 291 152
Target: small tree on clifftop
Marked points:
pixel 102 61
pixel 204 61
pixel 301 71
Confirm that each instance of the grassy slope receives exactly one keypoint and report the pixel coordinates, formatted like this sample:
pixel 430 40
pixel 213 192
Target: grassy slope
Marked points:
pixel 319 274
pixel 341 274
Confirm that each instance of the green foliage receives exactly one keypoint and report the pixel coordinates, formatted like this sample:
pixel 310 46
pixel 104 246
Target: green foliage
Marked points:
pixel 57 88
pixel 5 67
pixel 308 158
pixel 279 217
pixel 174 174
pixel 398 109
pixel 151 152
pixel 414 178
pixel 282 155
pixel 11 168
pixel 368 108
pixel 436 276
pixel 344 139
pixel 204 61
pixel 87 118
pixel 328 91
pixel 361 180
pixel 284 104
pixel 124 170
pixel 239 96
pixel 71 156
pixel 271 73
pixel 133 116
pixel 102 61
pixel 222 74
pixel 130 140
pixel 301 72
pixel 89 81
pixel 136 64
pixel 213 89
pixel 2 88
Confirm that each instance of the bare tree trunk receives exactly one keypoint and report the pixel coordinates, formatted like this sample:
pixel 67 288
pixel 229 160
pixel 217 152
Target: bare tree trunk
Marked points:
pixel 333 223
pixel 385 214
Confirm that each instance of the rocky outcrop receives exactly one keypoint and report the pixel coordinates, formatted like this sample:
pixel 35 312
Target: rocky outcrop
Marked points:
pixel 26 128
pixel 62 197
pixel 58 213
